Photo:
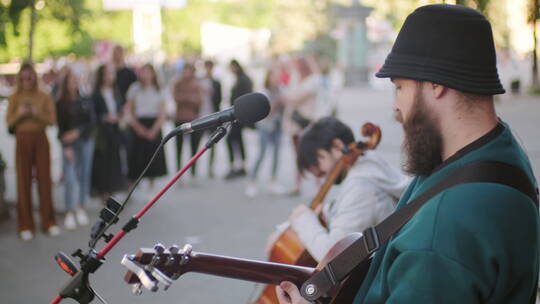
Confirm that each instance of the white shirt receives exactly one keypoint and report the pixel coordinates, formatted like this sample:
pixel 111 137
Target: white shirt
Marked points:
pixel 368 195
pixel 108 96
pixel 206 106
pixel 302 98
pixel 146 100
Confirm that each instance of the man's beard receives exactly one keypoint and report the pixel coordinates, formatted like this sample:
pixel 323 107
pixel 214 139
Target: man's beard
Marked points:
pixel 423 140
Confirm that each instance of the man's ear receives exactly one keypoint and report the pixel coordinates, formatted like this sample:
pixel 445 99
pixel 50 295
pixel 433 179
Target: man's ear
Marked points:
pixel 338 144
pixel 438 90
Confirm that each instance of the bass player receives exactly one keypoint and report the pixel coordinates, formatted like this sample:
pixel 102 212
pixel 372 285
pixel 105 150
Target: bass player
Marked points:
pixel 368 191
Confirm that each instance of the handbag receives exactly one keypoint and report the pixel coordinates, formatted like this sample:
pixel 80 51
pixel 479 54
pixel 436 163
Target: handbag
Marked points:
pixel 300 119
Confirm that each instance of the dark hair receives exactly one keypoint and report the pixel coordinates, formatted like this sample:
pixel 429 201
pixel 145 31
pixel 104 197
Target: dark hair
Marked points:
pixel 209 63
pixel 155 81
pixel 321 136
pixel 239 69
pixel 99 77
pixel 64 95
pixel 189 66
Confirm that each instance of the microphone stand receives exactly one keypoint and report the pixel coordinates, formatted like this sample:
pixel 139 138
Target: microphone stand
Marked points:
pixel 78 288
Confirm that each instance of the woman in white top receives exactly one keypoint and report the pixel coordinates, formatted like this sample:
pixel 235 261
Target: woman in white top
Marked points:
pixel 146 109
pixel 301 105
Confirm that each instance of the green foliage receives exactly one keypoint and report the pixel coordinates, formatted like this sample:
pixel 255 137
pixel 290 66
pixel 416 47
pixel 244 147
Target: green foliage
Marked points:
pixel 181 27
pixel 63 27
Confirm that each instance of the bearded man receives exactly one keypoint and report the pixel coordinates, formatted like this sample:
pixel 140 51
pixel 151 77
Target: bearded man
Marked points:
pixel 474 242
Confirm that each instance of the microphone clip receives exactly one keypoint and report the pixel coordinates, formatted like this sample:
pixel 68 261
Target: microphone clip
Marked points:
pixel 216 136
pixel 107 215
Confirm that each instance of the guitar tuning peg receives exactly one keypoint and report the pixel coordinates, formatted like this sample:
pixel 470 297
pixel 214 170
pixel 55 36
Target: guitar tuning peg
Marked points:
pixel 159 248
pixel 136 289
pixel 186 252
pixel 174 249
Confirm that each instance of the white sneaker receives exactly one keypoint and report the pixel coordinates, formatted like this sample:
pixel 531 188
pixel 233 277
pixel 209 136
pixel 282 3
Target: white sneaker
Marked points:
pixel 69 221
pixel 82 218
pixel 26 235
pixel 251 190
pixel 53 230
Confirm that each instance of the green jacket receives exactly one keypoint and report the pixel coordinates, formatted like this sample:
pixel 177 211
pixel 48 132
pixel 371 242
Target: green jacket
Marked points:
pixel 472 243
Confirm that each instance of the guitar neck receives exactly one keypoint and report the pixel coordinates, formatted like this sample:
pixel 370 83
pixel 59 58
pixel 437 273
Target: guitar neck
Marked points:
pixel 247 270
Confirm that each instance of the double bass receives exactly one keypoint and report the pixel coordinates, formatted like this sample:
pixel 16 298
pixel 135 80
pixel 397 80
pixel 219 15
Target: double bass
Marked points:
pixel 288 249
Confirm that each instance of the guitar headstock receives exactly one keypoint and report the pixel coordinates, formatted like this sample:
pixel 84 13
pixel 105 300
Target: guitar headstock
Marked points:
pixel 150 266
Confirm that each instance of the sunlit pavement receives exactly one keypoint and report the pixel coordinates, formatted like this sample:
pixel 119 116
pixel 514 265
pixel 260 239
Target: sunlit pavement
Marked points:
pixel 211 214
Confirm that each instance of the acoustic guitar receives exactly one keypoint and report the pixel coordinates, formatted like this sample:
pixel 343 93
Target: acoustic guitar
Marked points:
pixel 287 248
pixel 152 267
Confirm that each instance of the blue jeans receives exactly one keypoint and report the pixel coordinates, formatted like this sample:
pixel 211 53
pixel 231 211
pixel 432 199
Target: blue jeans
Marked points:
pixel 78 173
pixel 272 136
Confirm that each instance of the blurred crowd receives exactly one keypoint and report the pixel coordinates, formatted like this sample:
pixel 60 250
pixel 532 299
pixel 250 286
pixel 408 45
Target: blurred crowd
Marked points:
pixel 109 118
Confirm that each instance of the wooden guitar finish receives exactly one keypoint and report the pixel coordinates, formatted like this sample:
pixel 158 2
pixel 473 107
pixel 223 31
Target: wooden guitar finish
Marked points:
pixel 287 248
pixel 172 264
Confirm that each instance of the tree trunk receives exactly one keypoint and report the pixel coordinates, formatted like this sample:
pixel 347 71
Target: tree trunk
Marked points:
pixel 535 82
pixel 33 18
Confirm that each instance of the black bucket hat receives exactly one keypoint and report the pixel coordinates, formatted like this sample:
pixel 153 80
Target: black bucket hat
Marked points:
pixel 446 44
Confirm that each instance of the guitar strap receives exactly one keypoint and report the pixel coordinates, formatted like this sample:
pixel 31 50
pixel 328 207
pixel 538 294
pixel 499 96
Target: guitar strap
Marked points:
pixel 343 264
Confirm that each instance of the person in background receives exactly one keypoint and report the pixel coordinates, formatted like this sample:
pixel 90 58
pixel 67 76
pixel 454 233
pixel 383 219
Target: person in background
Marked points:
pixel 215 98
pixel 146 108
pixel 125 76
pixel 30 111
pixel 188 95
pixel 269 130
pixel 76 122
pixel 301 106
pixel 107 176
pixel 235 141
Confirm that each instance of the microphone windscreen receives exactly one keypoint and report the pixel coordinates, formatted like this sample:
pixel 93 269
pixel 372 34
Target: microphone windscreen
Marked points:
pixel 250 108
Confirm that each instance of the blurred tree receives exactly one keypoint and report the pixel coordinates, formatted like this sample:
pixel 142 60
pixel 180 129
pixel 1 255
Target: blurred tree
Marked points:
pixel 68 12
pixel 54 32
pixel 533 17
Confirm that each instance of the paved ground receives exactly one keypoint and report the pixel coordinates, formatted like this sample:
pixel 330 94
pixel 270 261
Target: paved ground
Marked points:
pixel 213 215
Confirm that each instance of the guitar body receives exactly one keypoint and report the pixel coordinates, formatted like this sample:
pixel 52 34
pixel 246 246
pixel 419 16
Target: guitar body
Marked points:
pixel 347 290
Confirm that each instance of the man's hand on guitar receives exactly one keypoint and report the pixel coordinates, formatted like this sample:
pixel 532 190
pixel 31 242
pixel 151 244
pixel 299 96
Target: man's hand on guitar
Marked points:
pixel 288 293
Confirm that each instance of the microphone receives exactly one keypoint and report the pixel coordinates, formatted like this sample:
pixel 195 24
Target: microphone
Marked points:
pixel 247 109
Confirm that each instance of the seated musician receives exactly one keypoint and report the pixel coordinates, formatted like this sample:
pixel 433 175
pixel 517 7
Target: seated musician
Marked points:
pixel 476 242
pixel 367 194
